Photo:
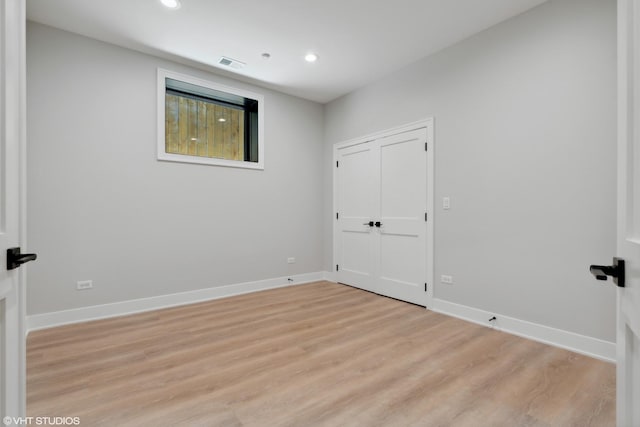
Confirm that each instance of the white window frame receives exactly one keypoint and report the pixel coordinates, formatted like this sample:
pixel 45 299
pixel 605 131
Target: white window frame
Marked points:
pixel 184 158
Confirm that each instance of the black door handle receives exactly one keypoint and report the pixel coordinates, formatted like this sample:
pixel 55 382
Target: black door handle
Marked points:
pixel 616 271
pixel 15 258
pixel 378 224
pixel 370 223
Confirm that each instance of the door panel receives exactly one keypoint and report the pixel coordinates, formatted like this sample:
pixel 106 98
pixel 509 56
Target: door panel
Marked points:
pixel 403 175
pixel 403 203
pixel 356 191
pixel 628 336
pixel 356 200
pixel 356 254
pixel 402 268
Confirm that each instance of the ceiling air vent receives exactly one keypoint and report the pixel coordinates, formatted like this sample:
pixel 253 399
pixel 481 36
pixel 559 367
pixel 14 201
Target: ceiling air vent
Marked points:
pixel 231 63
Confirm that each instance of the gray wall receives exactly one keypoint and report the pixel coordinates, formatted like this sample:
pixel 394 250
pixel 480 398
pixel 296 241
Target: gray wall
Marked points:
pixel 525 140
pixel 525 133
pixel 102 207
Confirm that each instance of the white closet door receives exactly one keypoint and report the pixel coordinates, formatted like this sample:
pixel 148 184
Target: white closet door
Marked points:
pixel 356 196
pixel 381 201
pixel 402 205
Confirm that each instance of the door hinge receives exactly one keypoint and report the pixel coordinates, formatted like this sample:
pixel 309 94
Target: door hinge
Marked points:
pixel 425 287
pixel 337 215
pixel 337 267
pixel 426 216
pixel 337 163
pixel 425 146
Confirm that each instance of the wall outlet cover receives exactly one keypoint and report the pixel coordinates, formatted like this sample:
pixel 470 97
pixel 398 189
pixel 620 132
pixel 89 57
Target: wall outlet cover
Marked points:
pixel 84 284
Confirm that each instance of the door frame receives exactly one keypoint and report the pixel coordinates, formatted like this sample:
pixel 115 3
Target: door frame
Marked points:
pixel 427 123
pixel 22 216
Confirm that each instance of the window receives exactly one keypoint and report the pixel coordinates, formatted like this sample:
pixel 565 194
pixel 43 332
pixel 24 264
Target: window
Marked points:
pixel 204 122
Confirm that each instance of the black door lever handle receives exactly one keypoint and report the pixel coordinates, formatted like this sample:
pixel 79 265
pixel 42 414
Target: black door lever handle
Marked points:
pixel 15 259
pixel 616 271
pixel 378 224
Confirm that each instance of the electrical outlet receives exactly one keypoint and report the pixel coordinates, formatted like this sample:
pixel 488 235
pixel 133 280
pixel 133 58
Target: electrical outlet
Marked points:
pixel 291 260
pixel 81 285
pixel 446 279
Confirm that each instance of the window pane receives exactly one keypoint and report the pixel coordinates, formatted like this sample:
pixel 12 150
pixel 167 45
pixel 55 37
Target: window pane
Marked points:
pixel 200 128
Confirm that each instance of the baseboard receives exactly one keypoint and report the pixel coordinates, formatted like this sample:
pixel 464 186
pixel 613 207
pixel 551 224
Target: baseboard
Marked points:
pixel 84 314
pixel 582 344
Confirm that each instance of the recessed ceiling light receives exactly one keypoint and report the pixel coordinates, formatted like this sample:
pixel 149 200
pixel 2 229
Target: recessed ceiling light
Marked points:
pixel 266 55
pixel 311 57
pixel 171 4
pixel 222 120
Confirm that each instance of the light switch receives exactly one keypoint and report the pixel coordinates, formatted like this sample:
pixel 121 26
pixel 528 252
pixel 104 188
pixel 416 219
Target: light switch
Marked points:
pixel 446 203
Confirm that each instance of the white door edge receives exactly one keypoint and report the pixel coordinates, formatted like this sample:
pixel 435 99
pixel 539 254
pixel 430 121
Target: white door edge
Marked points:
pixel 22 278
pixel 12 206
pixel 628 224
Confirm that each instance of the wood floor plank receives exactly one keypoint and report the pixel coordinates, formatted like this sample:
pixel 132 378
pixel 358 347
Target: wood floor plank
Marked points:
pixel 321 354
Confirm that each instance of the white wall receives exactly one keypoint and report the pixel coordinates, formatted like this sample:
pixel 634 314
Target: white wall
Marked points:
pixel 525 147
pixel 101 206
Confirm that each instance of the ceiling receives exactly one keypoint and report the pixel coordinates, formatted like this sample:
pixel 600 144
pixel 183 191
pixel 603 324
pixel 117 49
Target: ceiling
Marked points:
pixel 357 41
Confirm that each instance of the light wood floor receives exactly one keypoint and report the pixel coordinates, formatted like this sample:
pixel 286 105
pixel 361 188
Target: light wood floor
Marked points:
pixel 315 355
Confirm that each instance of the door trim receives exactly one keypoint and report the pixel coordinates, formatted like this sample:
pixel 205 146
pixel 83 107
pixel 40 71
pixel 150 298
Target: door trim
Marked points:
pixel 22 218
pixel 427 123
